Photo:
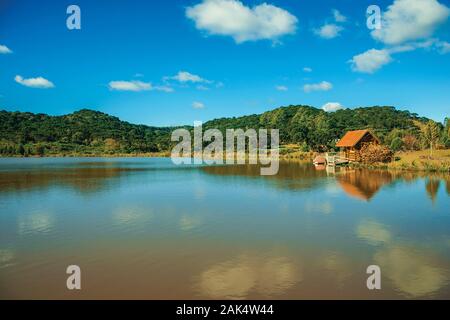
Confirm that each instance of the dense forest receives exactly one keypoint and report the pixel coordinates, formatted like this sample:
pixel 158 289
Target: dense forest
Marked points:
pixel 83 132
pixel 95 133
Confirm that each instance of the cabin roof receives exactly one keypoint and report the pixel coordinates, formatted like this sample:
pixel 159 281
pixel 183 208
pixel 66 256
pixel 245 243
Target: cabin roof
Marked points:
pixel 351 138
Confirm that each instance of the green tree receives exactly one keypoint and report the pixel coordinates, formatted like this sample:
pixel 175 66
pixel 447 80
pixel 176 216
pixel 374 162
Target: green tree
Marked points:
pixel 446 133
pixel 40 150
pixel 396 144
pixel 21 149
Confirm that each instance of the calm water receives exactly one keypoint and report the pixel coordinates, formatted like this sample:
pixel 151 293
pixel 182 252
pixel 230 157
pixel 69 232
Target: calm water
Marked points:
pixel 143 228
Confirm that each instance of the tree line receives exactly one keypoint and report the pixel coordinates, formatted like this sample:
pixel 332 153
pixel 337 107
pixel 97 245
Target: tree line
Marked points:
pixel 93 132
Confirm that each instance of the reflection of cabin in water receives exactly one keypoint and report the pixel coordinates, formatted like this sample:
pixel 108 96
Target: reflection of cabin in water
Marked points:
pixel 352 142
pixel 363 184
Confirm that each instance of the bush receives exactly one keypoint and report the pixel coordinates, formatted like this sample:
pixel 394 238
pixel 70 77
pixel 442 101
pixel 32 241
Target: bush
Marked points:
pixel 371 153
pixel 410 142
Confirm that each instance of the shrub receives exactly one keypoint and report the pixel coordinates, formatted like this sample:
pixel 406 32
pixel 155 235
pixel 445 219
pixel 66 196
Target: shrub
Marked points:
pixel 410 142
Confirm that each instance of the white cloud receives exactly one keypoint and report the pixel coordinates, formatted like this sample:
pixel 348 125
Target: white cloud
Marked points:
pixel 329 31
pixel 184 76
pixel 443 47
pixel 39 82
pixel 307 69
pixel 370 61
pixel 136 86
pixel 4 49
pixel 412 46
pixel 129 86
pixel 338 17
pixel 232 18
pixel 281 88
pixel 332 106
pixel 163 88
pixel 198 105
pixel 202 87
pixel 408 20
pixel 322 86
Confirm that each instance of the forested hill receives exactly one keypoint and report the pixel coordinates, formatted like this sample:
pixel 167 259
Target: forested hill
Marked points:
pixel 315 128
pixel 84 131
pixel 93 132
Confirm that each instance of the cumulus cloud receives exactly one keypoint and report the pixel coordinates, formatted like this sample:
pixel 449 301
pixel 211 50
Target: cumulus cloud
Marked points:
pixel 322 86
pixel 408 20
pixel 129 86
pixel 370 61
pixel 338 17
pixel 39 82
pixel 184 76
pixel 232 18
pixel 198 105
pixel 329 31
pixel 281 88
pixel 307 69
pixel 332 106
pixel 4 49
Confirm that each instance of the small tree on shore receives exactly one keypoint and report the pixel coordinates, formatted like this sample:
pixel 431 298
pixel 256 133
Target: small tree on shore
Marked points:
pixel 430 134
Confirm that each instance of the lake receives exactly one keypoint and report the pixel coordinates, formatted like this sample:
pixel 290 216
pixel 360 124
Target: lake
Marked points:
pixel 143 228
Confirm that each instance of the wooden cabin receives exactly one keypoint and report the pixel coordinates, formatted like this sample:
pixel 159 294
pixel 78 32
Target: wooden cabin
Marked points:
pixel 352 142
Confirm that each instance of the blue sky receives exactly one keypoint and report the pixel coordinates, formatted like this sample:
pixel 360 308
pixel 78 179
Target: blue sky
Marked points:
pixel 173 62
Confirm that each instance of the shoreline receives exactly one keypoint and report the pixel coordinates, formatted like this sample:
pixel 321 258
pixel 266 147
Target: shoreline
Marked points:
pixel 414 161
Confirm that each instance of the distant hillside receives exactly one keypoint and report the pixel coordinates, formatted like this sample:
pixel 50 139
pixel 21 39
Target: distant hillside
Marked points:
pixel 316 128
pixel 93 132
pixel 84 131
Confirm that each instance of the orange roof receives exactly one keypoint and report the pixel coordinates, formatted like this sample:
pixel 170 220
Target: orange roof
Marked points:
pixel 351 138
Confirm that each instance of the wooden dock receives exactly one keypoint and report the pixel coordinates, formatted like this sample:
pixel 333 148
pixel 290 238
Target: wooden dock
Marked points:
pixel 334 159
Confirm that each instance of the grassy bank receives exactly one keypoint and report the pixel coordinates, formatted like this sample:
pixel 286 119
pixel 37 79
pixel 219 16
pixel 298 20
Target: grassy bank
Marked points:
pixel 420 160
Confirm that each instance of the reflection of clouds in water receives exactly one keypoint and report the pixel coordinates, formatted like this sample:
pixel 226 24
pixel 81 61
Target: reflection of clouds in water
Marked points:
pixel 332 189
pixel 189 222
pixel 318 207
pixel 129 215
pixel 373 232
pixel 338 266
pixel 234 279
pixel 6 257
pixel 414 273
pixel 199 193
pixel 35 223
